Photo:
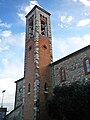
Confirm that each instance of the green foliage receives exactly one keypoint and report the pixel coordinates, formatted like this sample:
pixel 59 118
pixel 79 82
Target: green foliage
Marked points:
pixel 14 118
pixel 70 101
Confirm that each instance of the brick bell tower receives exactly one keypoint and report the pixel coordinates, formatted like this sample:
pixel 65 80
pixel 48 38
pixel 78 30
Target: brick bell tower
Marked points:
pixel 38 56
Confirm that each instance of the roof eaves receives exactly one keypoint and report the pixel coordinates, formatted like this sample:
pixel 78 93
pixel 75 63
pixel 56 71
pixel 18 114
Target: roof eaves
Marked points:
pixel 36 6
pixel 71 55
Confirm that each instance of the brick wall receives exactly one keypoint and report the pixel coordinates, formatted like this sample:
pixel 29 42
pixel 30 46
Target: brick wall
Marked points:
pixel 44 71
pixel 29 78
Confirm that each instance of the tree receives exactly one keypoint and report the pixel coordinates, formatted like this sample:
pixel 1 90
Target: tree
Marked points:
pixel 70 101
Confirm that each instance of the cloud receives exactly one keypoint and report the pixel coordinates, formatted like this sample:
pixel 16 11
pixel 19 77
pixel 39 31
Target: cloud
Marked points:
pixel 11 65
pixel 66 46
pixel 6 33
pixel 69 19
pixel 25 9
pixel 74 0
pixel 7 38
pixel 12 69
pixel 86 14
pixel 83 23
pixel 85 2
pixel 9 95
pixel 65 21
pixel 4 24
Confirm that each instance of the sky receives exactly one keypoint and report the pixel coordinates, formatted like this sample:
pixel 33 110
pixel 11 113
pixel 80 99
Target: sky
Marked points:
pixel 70 26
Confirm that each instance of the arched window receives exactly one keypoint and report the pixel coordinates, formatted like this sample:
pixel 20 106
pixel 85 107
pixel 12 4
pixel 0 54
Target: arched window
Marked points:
pixel 62 74
pixel 30 28
pixel 45 88
pixel 42 27
pixel 43 20
pixel 86 63
pixel 29 88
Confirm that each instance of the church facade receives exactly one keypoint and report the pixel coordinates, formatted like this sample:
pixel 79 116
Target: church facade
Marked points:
pixel 41 74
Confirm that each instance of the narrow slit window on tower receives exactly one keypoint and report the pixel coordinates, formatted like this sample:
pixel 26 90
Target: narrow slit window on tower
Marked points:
pixel 29 87
pixel 30 47
pixel 45 88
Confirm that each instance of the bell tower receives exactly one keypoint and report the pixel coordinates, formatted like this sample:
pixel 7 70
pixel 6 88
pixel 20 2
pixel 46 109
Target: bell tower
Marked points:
pixel 38 56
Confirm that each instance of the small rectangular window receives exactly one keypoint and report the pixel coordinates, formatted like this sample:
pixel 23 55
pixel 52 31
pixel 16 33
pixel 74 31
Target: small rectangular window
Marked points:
pixel 46 88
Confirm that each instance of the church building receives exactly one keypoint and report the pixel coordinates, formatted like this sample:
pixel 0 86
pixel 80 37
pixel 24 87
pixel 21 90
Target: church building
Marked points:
pixel 41 74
